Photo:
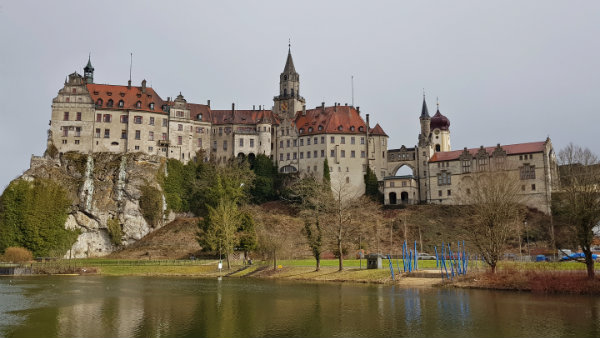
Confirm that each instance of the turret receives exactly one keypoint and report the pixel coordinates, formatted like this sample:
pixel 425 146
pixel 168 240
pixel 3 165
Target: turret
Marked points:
pixel 425 120
pixel 88 71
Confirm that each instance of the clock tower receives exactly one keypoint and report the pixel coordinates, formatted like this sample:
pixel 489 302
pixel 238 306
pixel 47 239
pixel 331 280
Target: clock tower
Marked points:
pixel 285 106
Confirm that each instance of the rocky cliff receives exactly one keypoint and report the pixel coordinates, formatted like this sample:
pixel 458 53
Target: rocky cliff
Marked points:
pixel 109 207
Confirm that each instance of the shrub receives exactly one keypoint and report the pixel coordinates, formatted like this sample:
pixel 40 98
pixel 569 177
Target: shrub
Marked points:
pixel 114 231
pixel 33 215
pixel 17 255
pixel 151 204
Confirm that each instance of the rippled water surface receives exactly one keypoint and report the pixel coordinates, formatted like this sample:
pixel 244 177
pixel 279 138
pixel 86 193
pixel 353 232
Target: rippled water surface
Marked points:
pixel 62 306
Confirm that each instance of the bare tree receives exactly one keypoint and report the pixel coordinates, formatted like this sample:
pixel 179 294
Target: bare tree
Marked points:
pixel 343 221
pixel 315 201
pixel 578 202
pixel 495 208
pixel 277 233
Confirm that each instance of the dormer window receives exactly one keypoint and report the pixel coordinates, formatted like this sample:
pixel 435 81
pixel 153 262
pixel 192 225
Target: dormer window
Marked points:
pixel 340 128
pixel 138 104
pixel 99 102
pixel 352 128
pixel 109 93
pixel 109 103
pixel 310 129
pixel 151 105
pixel 301 130
pixel 320 128
pixel 361 129
pixel 199 117
pixel 139 95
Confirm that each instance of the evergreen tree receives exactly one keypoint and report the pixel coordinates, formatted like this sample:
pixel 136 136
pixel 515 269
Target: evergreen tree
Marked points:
pixel 326 175
pixel 371 185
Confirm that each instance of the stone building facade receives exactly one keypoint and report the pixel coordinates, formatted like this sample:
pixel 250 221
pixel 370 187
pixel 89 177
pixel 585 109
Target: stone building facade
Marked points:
pixel 89 117
pixel 442 176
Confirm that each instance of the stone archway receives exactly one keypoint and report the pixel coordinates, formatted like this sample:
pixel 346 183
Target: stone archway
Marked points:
pixel 404 197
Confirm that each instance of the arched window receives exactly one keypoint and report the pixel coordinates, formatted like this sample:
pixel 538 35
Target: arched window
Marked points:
pixel 109 103
pixel 361 128
pixel 138 104
pixel 99 102
pixel 292 92
pixel 284 91
pixel 352 128
pixel 199 117
pixel 151 105
pixel 121 103
pixel 301 130
pixel 437 147
pixel 310 129
pixel 320 127
pixel 340 128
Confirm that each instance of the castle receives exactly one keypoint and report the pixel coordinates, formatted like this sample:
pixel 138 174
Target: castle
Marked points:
pixel 89 117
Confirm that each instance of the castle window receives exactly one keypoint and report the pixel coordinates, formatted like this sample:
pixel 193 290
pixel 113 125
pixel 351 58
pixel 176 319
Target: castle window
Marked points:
pixel 121 103
pixel 322 139
pixel 352 128
pixel 301 142
pixel 292 90
pixel 150 136
pixel 164 137
pixel 301 130
pixel 251 143
pixel 199 143
pixel 65 132
pixel 151 121
pixel 109 103
pixel 284 91
pixel 106 133
pixel 124 118
pixel 301 155
pixel 444 178
pixel 352 140
pixel 362 140
pixel 76 141
pixel 527 172
pixel 107 118
pixel 66 116
pixel 347 179
pixel 152 105
pixel 343 140
pixel 320 128
pixel 361 128
pixel 310 129
pixel 287 157
pixel 180 128
pixel 437 147
pixel 308 154
pixel 352 153
pixel 99 102
pixel 343 153
pixel 199 117
pixel 316 140
pixel 482 163
pixel 340 128
pixel 295 142
pixel 295 156
pixel 315 154
pixel 332 140
pixel 78 116
pixel 138 134
pixel 281 157
pixel 97 132
pixel 98 117
pixel 225 145
pixel 165 122
pixel 362 154
pixel 180 141
pixel 138 104
pixel 533 187
pixel 466 166
pixel 137 119
pixel 281 144
pixel 287 143
pixel 123 133
pixel 242 142
pixel 77 131
pixel 308 141
pixel 449 192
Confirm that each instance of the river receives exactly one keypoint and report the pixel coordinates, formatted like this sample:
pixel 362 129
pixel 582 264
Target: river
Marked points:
pixel 92 306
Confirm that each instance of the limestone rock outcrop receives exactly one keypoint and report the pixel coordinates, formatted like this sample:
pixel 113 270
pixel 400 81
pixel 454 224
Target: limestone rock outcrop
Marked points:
pixel 105 189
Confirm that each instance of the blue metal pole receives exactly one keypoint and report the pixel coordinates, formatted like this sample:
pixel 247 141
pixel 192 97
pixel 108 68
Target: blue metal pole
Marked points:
pixel 391 266
pixel 436 257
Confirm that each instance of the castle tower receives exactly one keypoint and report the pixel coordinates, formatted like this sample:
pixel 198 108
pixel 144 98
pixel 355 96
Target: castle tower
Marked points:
pixel 88 71
pixel 440 127
pixel 289 101
pixel 425 119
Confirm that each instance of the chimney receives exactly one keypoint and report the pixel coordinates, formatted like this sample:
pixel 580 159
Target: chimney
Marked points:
pixel 367 122
pixel 346 104
pixel 303 110
pixel 129 84
pixel 143 85
pixel 208 103
pixel 358 110
pixel 253 107
pixel 232 107
pixel 335 105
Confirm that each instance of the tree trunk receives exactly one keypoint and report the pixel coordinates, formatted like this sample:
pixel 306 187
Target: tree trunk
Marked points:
pixel 274 261
pixel 228 264
pixel 493 266
pixel 341 259
pixel 589 263
pixel 318 258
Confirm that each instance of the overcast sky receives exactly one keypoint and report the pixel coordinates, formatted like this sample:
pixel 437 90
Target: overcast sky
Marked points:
pixel 504 71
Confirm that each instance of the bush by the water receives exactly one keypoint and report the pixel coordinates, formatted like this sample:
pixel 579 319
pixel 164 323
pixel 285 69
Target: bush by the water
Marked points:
pixel 16 255
pixel 33 215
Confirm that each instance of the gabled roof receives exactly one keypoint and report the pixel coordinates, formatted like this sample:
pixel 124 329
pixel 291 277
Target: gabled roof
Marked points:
pixel 243 117
pixel 197 109
pixel 129 95
pixel 377 131
pixel 511 149
pixel 330 120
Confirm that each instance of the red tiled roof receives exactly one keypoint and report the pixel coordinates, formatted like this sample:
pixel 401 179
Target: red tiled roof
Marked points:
pixel 377 130
pixel 129 95
pixel 243 117
pixel 331 120
pixel 197 109
pixel 511 149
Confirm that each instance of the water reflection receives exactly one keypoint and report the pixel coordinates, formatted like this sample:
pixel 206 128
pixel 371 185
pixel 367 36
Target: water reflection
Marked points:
pixel 137 306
